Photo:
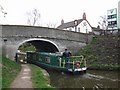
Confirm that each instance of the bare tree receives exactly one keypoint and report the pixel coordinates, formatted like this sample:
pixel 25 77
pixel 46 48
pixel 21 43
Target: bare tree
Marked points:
pixel 51 25
pixel 103 22
pixel 33 17
pixel 3 11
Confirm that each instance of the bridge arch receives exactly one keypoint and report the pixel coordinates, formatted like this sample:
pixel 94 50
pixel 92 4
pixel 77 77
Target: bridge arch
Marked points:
pixel 58 40
pixel 42 45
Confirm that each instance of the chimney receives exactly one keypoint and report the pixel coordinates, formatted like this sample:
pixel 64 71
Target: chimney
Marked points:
pixel 62 21
pixel 84 15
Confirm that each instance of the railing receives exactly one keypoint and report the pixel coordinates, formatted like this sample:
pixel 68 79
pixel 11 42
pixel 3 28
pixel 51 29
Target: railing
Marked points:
pixel 73 60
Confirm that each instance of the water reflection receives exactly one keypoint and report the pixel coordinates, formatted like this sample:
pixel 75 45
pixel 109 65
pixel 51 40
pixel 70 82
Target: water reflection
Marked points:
pixel 106 79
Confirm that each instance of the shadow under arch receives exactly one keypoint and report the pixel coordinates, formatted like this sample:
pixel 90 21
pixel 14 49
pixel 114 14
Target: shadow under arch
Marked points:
pixel 42 45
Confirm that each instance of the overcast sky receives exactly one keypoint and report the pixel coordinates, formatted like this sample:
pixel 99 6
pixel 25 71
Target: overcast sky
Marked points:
pixel 52 11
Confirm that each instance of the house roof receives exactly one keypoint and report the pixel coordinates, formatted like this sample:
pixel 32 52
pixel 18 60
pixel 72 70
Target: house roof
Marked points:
pixel 71 24
pixel 97 29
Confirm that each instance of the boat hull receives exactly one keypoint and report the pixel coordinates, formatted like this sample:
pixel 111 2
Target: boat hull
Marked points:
pixel 55 62
pixel 59 69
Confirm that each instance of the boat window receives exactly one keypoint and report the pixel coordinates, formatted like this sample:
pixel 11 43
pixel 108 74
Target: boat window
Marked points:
pixel 40 58
pixel 47 59
pixel 34 57
pixel 28 56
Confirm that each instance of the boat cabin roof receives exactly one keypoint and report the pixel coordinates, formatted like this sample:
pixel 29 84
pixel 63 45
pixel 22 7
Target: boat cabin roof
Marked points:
pixel 46 53
pixel 49 54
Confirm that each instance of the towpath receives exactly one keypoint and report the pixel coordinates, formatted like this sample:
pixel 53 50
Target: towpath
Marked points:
pixel 23 80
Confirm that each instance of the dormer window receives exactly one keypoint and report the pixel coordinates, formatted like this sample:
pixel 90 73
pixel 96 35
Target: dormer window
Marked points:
pixel 75 22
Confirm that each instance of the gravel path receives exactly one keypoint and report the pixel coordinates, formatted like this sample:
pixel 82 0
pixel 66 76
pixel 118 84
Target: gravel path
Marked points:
pixel 23 80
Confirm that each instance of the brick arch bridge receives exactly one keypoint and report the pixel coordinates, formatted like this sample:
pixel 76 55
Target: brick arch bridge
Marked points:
pixel 43 38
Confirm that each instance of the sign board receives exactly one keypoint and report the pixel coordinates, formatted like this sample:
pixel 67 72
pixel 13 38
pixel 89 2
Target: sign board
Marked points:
pixel 112 19
pixel 118 15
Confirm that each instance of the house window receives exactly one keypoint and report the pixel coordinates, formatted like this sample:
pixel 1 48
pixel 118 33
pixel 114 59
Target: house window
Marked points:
pixel 75 29
pixel 78 29
pixel 70 29
pixel 75 22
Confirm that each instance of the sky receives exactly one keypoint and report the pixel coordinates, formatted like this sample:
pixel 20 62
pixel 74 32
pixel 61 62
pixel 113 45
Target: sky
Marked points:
pixel 53 11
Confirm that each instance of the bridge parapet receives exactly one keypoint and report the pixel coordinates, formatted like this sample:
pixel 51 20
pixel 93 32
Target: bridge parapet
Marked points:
pixel 44 32
pixel 42 37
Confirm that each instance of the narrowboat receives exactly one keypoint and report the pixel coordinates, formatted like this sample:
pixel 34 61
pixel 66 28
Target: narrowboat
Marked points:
pixel 21 57
pixel 55 61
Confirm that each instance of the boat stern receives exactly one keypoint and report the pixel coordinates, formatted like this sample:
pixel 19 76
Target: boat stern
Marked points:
pixel 78 69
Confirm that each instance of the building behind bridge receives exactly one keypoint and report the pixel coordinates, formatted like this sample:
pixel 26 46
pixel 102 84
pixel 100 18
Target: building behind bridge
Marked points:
pixel 80 25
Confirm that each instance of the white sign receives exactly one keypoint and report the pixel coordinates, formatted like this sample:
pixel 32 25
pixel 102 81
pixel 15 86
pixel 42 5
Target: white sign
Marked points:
pixel 112 11
pixel 112 18
pixel 118 15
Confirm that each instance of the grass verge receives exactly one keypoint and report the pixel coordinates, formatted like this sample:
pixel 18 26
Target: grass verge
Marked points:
pixel 39 79
pixel 10 69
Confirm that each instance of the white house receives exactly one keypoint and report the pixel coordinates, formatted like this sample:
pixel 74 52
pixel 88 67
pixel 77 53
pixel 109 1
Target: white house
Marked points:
pixel 80 25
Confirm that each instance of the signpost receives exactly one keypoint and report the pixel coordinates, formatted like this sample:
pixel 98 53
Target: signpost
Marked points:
pixel 112 19
pixel 119 14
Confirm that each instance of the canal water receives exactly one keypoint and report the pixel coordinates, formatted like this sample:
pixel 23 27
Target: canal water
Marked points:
pixel 91 79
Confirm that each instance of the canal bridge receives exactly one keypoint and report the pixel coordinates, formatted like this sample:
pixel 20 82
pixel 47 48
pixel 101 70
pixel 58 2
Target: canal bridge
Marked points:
pixel 43 38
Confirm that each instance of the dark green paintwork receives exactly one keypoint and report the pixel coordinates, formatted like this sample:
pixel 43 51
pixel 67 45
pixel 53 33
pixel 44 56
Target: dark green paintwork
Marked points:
pixel 54 61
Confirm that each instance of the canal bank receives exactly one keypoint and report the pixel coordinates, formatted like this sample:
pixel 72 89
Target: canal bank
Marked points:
pixel 40 78
pixel 102 53
pixel 16 75
pixel 9 72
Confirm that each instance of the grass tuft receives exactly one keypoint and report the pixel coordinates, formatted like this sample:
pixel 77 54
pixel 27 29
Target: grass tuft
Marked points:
pixel 39 79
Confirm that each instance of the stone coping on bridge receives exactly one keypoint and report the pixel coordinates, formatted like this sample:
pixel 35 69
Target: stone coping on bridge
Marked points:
pixel 43 27
pixel 43 32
